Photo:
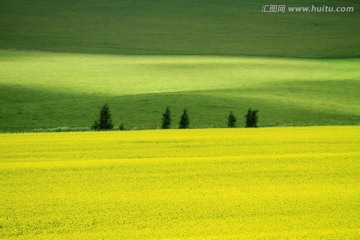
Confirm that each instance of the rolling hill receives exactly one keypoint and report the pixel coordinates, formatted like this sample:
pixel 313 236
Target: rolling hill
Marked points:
pixel 173 27
pixel 60 61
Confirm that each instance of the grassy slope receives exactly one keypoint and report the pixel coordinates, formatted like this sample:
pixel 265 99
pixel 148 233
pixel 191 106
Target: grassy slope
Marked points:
pixel 44 90
pixel 196 184
pixel 210 27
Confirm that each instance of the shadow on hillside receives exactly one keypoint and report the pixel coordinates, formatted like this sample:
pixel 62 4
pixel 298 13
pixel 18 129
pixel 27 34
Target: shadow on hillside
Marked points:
pixel 295 104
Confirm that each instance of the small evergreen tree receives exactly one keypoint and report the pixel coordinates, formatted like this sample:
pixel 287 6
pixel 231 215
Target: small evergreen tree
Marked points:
pixel 184 120
pixel 251 118
pixel 231 120
pixel 105 121
pixel 255 118
pixel 166 120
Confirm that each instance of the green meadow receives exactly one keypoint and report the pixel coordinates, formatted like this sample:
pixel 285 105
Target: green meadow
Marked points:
pixel 60 61
pixel 48 90
pixel 173 27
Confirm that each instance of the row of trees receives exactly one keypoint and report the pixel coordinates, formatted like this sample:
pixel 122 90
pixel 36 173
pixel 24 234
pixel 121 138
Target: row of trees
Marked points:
pixel 105 120
pixel 166 120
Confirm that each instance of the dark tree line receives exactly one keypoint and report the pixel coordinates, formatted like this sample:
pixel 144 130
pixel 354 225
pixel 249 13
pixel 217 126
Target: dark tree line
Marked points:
pixel 105 120
pixel 251 119
pixel 166 120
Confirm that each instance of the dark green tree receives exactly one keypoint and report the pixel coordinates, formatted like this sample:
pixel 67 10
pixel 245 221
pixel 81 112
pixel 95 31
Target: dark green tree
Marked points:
pixel 105 121
pixel 231 120
pixel 184 120
pixel 251 118
pixel 166 120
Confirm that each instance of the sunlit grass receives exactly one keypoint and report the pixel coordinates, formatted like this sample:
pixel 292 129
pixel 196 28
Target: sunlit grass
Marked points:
pixel 51 90
pixel 113 75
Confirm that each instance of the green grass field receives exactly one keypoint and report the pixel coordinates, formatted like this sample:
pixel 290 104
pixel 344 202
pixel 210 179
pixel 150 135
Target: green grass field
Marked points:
pixel 60 61
pixel 182 184
pixel 47 90
pixel 172 27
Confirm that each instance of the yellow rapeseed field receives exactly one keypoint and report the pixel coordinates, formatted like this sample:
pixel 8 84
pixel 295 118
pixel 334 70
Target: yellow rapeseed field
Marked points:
pixel 266 183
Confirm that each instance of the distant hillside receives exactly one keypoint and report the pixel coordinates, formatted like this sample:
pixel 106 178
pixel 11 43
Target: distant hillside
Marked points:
pixel 206 27
pixel 60 60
